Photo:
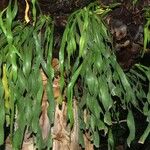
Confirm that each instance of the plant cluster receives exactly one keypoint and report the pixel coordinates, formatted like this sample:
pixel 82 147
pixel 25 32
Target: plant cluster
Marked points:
pixel 89 74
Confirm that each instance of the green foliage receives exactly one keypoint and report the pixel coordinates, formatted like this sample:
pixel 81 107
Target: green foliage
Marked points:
pixel 24 51
pixel 86 42
pixel 134 2
pixel 147 29
pixel 86 60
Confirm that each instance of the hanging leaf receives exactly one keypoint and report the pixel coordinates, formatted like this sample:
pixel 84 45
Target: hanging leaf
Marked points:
pixel 2 114
pixel 110 140
pixel 145 135
pixel 131 126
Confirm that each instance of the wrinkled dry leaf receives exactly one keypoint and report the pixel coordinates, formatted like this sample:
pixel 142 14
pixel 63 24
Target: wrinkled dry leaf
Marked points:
pixel 56 88
pixel 28 145
pixel 75 131
pixel 61 139
pixel 44 120
pixel 87 142
pixel 55 64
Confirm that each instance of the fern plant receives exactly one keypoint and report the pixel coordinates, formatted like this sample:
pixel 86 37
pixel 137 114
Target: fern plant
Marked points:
pixel 25 50
pixel 89 75
pixel 86 55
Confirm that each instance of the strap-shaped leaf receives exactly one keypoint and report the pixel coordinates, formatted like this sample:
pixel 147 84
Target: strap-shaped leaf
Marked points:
pixel 131 126
pixel 34 10
pixel 2 114
pixel 145 134
pixel 105 96
pixel 107 118
pixel 111 143
pixel 96 139
pixel 70 94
